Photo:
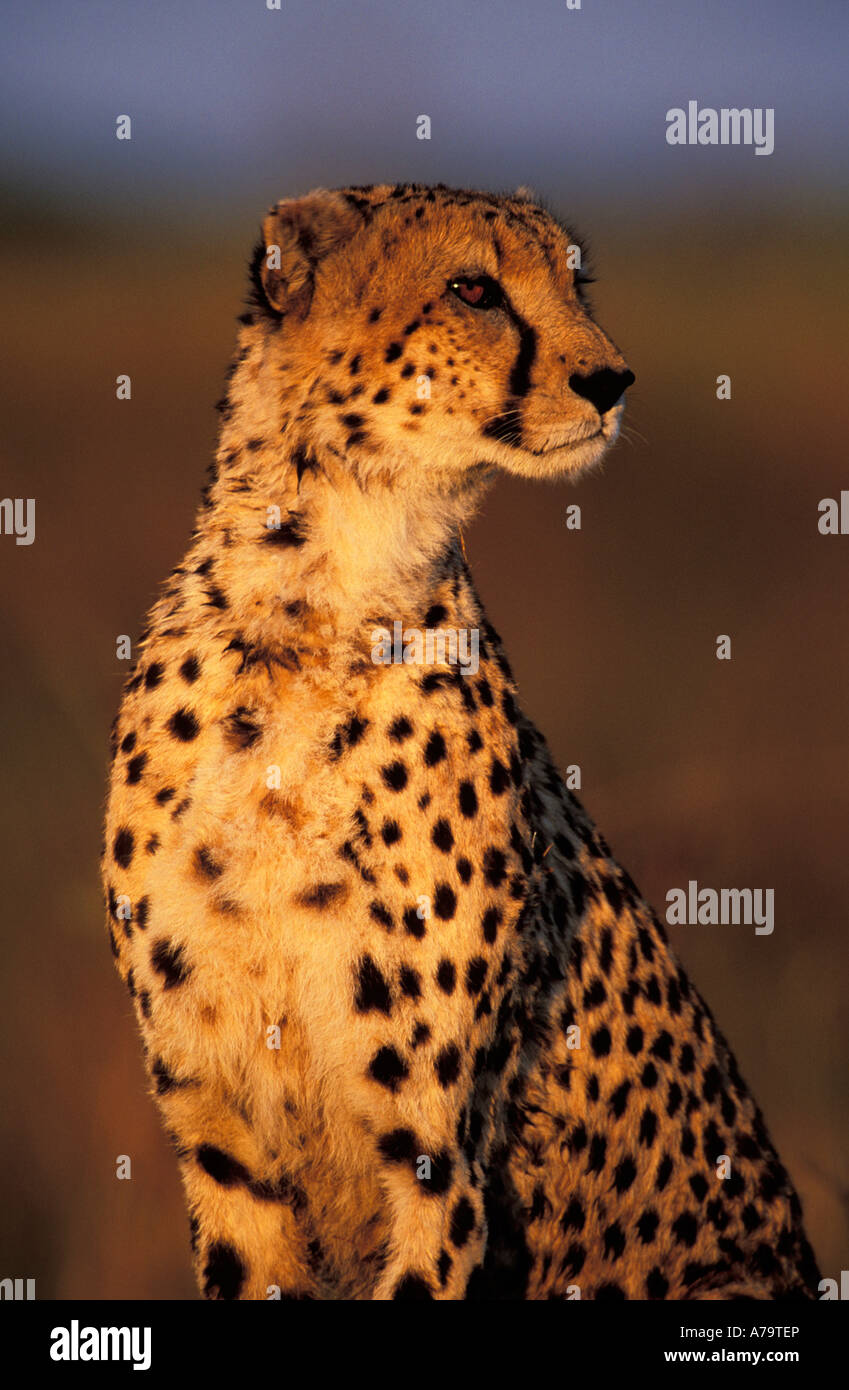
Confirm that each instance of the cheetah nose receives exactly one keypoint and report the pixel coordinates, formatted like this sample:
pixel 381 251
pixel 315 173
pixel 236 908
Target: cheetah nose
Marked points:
pixel 603 388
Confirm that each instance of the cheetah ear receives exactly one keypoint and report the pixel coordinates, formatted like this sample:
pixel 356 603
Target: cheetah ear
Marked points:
pixel 296 236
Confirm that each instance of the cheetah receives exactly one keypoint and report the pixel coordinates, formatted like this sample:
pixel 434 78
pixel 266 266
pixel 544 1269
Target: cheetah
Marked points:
pixel 413 1032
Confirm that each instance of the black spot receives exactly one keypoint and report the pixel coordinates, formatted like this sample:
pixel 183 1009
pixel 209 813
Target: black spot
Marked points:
pixel 619 1098
pixel 221 1166
pixel 597 1154
pixel 442 836
pixel 190 669
pixel 242 731
pixel 165 1081
pixel 574 1217
pixel 475 975
pixel 321 895
pixel 373 991
pixel 123 847
pixel 393 352
pixel 391 832
pixel 614 1241
pixel 595 993
pixel 647 1226
pixel 165 794
pixel 494 865
pixel 609 1291
pixel 206 863
pixel 289 533
pixel 347 734
pixel 140 912
pixel 699 1188
pixel 399 1146
pixel 648 1127
pixel 400 729
pixel 412 1286
pixel 574 1259
pixel 387 1068
pixel 394 776
pixel 224 1272
pixel 499 778
pixel 444 902
pixel 685 1229
pixel 468 800
pixel 413 923
pixel 447 1065
pixel 624 1174
pixel 662 1046
pixel 508 704
pixel 664 1172
pixel 485 692
pixel 462 1223
pixel 168 960
pixel 446 976
pixel 184 725
pixel 712 1082
pixel 441 1171
pixel 490 924
pixel 600 1042
pixel 381 914
pixel 128 743
pixel 673 995
pixel 646 944
pixel 464 869
pixel 135 768
pixel 434 749
pixel 656 1285
pixel 153 675
pixel 411 984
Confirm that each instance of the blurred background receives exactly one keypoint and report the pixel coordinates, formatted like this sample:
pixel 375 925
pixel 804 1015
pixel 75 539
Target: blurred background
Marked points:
pixel 128 257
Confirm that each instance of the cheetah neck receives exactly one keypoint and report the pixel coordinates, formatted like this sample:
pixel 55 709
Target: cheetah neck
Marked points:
pixel 294 527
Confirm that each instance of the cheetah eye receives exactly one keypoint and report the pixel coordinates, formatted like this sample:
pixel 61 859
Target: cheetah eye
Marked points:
pixel 479 291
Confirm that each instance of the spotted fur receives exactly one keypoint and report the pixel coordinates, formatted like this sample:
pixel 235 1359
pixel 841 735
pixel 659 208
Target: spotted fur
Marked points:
pixel 379 866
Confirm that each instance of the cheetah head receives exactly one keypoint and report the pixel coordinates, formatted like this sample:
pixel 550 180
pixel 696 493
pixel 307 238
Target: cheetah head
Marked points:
pixel 430 328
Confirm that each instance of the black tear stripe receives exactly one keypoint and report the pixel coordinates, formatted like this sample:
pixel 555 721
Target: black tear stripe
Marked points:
pixel 507 427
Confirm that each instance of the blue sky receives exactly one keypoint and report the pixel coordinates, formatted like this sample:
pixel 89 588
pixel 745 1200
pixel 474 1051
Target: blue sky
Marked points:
pixel 228 97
